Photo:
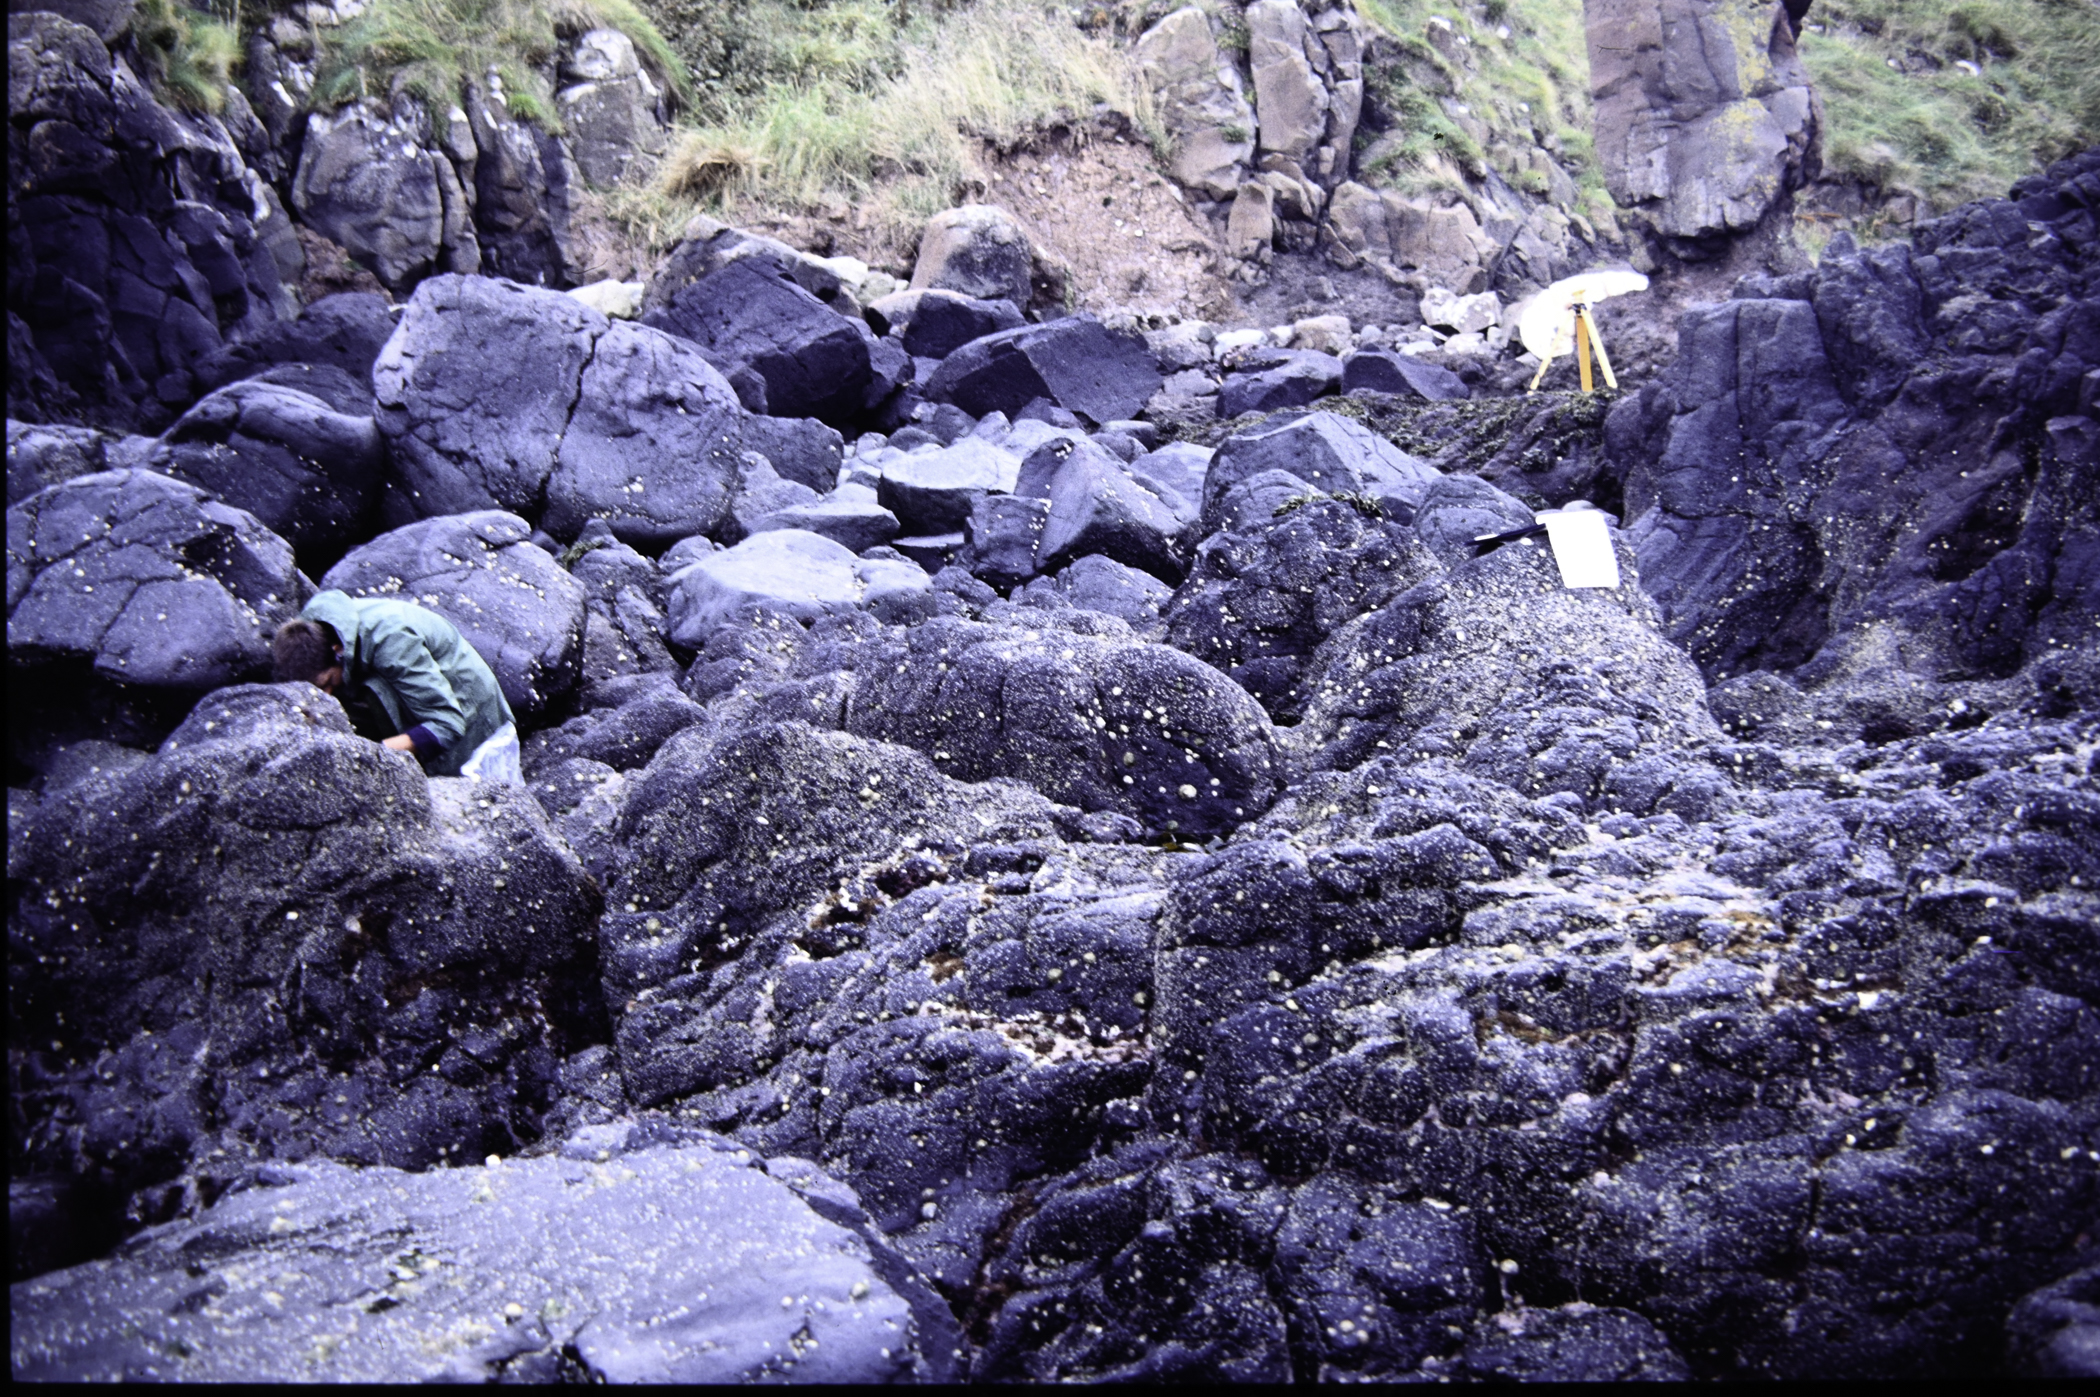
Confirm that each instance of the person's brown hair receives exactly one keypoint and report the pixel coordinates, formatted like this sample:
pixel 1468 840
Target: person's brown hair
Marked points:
pixel 302 649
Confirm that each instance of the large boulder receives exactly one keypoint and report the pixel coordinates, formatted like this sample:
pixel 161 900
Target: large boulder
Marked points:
pixel 1330 454
pixel 312 475
pixel 933 324
pixel 800 449
pixel 1280 379
pixel 1403 375
pixel 511 601
pixel 275 939
pixel 651 444
pixel 475 391
pixel 1705 115
pixel 707 245
pixel 636 1254
pixel 142 582
pixel 934 491
pixel 1098 507
pixel 979 250
pixel 367 182
pixel 815 362
pixel 495 395
pixel 610 109
pixel 1200 98
pixel 1076 363
pixel 793 572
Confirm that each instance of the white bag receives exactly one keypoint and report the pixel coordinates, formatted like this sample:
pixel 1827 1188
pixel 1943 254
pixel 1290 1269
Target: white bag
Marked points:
pixel 497 760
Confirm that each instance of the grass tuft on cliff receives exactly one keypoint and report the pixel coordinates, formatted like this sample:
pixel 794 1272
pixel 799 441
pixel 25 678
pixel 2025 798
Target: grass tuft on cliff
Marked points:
pixel 1507 91
pixel 190 54
pixel 863 105
pixel 430 47
pixel 1953 103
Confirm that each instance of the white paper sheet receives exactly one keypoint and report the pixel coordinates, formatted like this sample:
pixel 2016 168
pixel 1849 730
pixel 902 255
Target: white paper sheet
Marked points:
pixel 1582 546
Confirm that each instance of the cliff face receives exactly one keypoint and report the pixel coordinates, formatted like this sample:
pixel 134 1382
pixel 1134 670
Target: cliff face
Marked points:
pixel 1908 438
pixel 139 240
pixel 1705 116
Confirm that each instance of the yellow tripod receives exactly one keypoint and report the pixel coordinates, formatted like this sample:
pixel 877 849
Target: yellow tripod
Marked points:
pixel 1585 336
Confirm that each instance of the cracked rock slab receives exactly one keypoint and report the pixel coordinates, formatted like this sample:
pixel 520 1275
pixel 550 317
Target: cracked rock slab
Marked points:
pixel 672 1261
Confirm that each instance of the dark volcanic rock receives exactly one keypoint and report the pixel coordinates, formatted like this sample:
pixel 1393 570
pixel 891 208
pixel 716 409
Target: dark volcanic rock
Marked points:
pixel 791 572
pixel 934 491
pixel 1258 602
pixel 1896 453
pixel 344 331
pixel 135 246
pixel 276 939
pixel 1329 454
pixel 934 324
pixel 1413 969
pixel 1075 363
pixel 655 1255
pixel 1096 583
pixel 2055 1332
pixel 1080 711
pixel 816 362
pixel 511 602
pixel 1098 507
pixel 1579 1343
pixel 128 595
pixel 1383 371
pixel 651 445
pixel 475 390
pixel 1461 664
pixel 1284 378
pixel 310 474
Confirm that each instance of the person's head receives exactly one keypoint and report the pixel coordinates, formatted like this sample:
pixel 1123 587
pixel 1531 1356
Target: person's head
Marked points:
pixel 305 649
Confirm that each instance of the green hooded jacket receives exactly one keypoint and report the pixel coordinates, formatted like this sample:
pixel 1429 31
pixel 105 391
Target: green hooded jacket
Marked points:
pixel 421 670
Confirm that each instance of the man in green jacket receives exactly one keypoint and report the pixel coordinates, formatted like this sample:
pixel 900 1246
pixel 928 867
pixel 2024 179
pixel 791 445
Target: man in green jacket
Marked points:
pixel 405 670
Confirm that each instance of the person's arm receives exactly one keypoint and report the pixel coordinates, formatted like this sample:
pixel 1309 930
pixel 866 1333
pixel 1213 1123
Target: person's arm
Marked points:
pixel 437 719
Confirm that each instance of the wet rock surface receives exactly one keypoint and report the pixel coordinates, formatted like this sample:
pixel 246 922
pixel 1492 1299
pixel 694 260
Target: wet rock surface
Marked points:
pixel 560 1267
pixel 1052 902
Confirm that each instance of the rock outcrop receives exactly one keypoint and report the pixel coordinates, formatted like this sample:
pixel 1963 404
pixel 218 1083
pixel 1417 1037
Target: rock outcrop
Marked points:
pixel 616 1295
pixel 275 939
pixel 129 594
pixel 1201 99
pixel 1705 116
pixel 611 111
pixel 1877 476
pixel 139 241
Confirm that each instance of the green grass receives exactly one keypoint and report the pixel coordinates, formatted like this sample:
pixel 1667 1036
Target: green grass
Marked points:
pixel 1943 133
pixel 429 47
pixel 839 104
pixel 1532 84
pixel 190 54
